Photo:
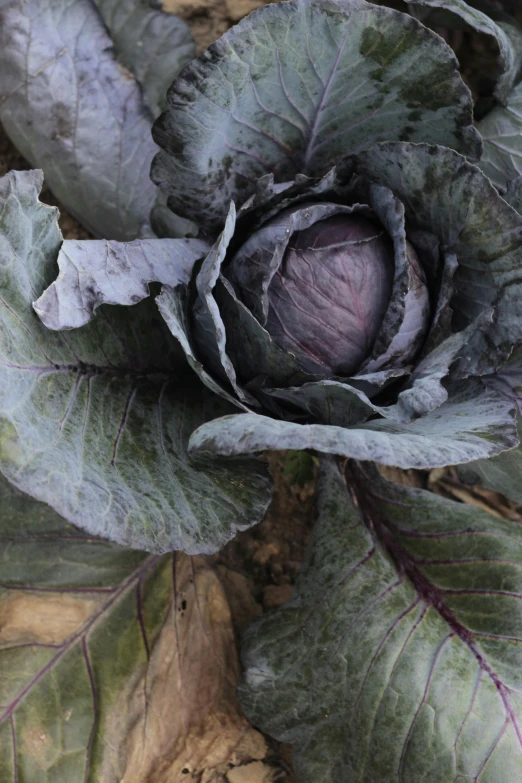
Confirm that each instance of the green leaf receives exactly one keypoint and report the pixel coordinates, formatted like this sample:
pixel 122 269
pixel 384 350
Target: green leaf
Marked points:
pixel 153 45
pixel 399 654
pixel 473 421
pixel 110 660
pixel 507 37
pixel 75 112
pixel 501 130
pixel 297 86
pixel 96 421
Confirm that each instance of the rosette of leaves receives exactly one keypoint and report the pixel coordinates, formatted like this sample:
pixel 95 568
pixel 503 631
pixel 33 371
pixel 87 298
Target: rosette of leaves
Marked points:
pixel 350 304
pixel 353 292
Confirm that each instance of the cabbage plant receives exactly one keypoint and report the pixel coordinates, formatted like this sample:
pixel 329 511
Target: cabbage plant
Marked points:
pixel 352 288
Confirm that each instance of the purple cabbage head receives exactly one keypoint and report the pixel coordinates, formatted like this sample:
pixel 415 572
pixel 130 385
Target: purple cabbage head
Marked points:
pixel 334 287
pixel 329 295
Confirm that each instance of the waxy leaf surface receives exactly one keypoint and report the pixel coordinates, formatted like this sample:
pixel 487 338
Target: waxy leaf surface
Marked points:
pixel 294 88
pixel 399 654
pixel 153 45
pixel 507 37
pixel 96 421
pixel 473 421
pixel 112 663
pixel 75 112
pixel 501 130
pixel 96 272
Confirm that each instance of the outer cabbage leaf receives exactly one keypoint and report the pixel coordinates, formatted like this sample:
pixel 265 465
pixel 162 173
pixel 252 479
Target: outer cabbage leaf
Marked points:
pixel 73 111
pixel 474 421
pixel 96 421
pixel 96 272
pixel 501 130
pixel 451 198
pixel 507 36
pixel 501 474
pixel 295 87
pixel 153 45
pixel 102 653
pixel 399 654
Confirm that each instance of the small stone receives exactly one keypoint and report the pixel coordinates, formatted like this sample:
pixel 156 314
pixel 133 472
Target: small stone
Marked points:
pixel 257 772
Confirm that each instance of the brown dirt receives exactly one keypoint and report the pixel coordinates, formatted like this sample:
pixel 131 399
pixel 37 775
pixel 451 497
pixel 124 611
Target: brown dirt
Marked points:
pixel 208 19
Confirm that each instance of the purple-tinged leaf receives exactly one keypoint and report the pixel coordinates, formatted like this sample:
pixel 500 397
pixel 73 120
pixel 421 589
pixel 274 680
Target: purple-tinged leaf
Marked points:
pixel 75 112
pixel 399 654
pixel 501 130
pixel 172 304
pixel 444 194
pixel 407 315
pixel 208 327
pixel 503 473
pixel 96 272
pixel 294 88
pixel 153 45
pixel 328 297
pixel 507 37
pixel 96 421
pixel 473 423
pixel 513 194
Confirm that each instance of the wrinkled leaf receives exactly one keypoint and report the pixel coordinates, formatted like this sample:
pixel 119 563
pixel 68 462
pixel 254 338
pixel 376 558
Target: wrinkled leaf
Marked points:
pixel 73 111
pixel 112 664
pixel 451 198
pixel 153 45
pixel 399 654
pixel 208 327
pixel 503 473
pixel 501 130
pixel 407 317
pixel 173 306
pixel 295 87
pixel 473 421
pixel 95 421
pixel 507 37
pixel 96 272
pixel 254 353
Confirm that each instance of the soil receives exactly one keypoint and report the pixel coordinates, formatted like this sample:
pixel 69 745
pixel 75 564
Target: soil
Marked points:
pixel 208 19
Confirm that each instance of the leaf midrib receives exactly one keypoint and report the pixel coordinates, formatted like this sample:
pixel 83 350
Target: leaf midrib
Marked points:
pixel 387 533
pixel 129 583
